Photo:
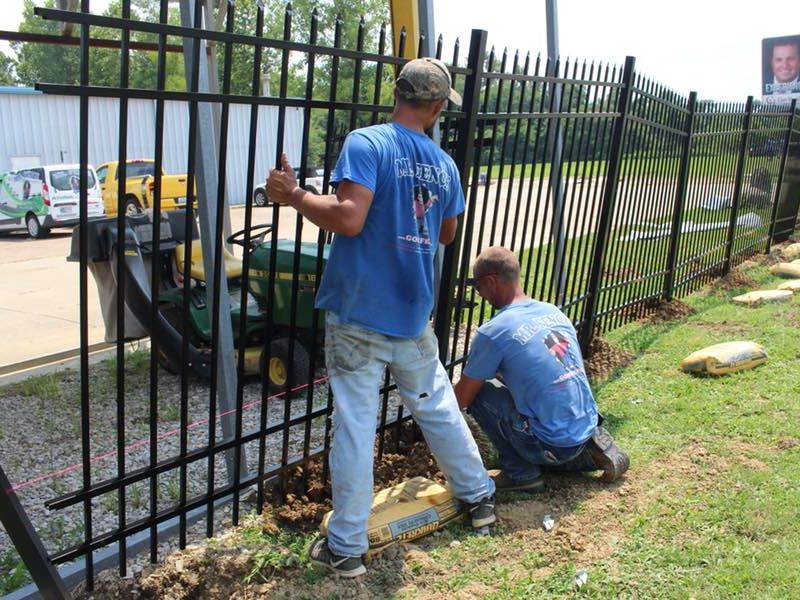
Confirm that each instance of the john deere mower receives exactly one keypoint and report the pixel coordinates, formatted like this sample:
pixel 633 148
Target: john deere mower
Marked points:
pixel 277 350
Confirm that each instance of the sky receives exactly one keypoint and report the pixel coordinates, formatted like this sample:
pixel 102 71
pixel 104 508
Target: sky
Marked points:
pixel 709 46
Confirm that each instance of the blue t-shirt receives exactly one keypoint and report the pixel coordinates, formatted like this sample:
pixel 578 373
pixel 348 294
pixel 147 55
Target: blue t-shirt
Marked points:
pixel 382 278
pixel 533 347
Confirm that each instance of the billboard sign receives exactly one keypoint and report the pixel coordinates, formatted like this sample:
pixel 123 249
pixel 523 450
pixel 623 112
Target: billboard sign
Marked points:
pixel 780 60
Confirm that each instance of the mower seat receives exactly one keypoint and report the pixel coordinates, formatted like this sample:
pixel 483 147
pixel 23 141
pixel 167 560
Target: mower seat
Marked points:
pixel 233 266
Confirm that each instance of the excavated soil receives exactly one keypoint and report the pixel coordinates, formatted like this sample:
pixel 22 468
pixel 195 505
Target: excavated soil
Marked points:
pixel 669 310
pixel 603 358
pixel 733 280
pixel 308 496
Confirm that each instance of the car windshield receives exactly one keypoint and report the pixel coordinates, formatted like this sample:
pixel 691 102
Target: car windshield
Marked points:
pixel 65 180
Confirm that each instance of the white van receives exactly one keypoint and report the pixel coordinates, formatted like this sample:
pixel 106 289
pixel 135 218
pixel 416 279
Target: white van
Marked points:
pixel 40 198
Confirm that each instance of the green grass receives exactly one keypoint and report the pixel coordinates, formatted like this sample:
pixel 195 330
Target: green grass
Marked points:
pixel 716 462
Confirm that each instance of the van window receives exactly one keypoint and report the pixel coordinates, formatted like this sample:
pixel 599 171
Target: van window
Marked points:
pixel 69 179
pixel 101 174
pixel 35 174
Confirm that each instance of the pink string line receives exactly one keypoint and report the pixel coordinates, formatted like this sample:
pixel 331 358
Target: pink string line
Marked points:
pixel 143 442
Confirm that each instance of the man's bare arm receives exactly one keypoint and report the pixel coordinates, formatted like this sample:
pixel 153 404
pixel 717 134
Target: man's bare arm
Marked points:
pixel 466 389
pixel 343 212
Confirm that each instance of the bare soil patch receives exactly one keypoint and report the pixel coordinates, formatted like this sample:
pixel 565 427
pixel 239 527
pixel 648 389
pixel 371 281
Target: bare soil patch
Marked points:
pixel 603 358
pixel 668 310
pixel 733 280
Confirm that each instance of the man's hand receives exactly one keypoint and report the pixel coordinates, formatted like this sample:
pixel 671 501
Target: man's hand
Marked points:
pixel 281 183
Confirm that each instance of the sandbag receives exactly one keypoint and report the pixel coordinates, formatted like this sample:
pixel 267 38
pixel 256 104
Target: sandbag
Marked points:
pixel 407 511
pixel 791 250
pixel 793 285
pixel 785 269
pixel 724 358
pixel 761 296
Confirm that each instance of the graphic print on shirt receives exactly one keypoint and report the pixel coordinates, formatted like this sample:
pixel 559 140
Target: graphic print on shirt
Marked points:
pixel 428 183
pixel 423 199
pixel 559 346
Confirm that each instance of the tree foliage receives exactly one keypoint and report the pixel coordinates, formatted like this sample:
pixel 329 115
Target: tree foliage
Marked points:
pixel 7 76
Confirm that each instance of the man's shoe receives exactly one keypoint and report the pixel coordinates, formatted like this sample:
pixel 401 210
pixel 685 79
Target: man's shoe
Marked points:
pixel 344 566
pixel 607 455
pixel 505 483
pixel 481 512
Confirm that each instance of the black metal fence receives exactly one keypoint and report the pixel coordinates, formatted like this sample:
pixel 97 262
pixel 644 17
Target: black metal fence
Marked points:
pixel 615 192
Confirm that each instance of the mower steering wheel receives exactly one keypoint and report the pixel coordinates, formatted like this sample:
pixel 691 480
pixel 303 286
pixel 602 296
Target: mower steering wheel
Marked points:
pixel 238 238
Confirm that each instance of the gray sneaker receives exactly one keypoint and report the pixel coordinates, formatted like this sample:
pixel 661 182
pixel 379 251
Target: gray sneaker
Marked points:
pixel 607 455
pixel 504 483
pixel 344 566
pixel 481 512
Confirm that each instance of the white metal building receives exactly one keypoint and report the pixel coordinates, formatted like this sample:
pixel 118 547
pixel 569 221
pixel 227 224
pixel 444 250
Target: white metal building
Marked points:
pixel 39 129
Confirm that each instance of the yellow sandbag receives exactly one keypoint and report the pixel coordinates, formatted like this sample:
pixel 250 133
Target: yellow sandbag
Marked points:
pixel 791 250
pixel 406 512
pixel 728 357
pixel 793 285
pixel 785 269
pixel 761 296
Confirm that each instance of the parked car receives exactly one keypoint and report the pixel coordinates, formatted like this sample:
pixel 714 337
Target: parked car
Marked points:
pixel 314 179
pixel 139 186
pixel 40 198
pixel 765 147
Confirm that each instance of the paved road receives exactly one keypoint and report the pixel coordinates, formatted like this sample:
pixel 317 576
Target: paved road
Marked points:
pixel 39 290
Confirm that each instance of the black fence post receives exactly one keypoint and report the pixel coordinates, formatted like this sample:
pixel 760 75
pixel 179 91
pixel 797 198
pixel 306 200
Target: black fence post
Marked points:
pixel 26 541
pixel 737 190
pixel 463 159
pixel 607 207
pixel 777 198
pixel 680 199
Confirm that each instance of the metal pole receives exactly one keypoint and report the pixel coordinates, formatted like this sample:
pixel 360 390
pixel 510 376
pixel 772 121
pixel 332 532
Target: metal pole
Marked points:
pixel 737 190
pixel 607 207
pixel 28 544
pixel 680 199
pixel 206 209
pixel 776 200
pixel 555 144
pixel 465 153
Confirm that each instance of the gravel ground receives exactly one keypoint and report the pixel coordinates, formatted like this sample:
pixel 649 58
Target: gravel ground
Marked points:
pixel 40 445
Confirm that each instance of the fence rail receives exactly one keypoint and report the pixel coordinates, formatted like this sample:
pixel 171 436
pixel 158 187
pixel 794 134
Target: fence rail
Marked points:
pixel 615 192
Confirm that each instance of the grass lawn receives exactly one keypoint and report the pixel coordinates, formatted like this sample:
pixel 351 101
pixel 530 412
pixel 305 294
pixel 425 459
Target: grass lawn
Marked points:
pixel 709 508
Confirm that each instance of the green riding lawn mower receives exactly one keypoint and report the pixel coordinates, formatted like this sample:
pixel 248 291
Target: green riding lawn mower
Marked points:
pixel 283 357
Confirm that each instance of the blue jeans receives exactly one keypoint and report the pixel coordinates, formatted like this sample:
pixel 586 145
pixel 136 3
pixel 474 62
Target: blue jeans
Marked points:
pixel 356 359
pixel 522 455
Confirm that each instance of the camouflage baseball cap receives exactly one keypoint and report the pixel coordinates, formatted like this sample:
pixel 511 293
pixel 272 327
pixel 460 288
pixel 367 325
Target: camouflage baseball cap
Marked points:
pixel 426 79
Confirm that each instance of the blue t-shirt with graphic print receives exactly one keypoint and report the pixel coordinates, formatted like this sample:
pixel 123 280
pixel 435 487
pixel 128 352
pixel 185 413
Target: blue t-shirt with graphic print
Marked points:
pixel 532 345
pixel 382 278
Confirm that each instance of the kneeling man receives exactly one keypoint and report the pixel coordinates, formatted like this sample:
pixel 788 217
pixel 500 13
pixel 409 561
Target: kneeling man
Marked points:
pixel 525 384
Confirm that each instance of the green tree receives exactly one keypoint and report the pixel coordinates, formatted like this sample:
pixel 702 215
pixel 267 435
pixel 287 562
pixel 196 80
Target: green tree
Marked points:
pixel 7 76
pixel 44 62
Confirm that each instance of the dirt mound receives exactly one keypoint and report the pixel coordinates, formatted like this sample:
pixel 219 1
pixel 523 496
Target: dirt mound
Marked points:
pixel 668 310
pixel 603 358
pixel 308 496
pixel 733 280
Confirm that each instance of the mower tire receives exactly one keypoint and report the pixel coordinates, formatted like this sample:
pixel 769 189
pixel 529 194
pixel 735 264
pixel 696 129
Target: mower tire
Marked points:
pixel 277 371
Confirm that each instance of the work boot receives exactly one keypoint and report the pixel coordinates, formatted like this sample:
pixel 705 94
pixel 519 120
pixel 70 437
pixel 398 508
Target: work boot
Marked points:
pixel 607 455
pixel 481 512
pixel 504 483
pixel 344 566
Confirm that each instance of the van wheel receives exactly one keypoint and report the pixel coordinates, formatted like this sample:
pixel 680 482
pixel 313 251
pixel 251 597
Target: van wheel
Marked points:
pixel 277 371
pixel 132 207
pixel 35 230
pixel 260 198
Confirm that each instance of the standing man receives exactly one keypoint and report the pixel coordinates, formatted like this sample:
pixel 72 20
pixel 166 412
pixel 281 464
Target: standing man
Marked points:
pixel 397 196
pixel 541 413
pixel 785 64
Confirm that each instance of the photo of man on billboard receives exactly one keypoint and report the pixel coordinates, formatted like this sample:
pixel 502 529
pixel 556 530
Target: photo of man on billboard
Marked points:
pixel 781 65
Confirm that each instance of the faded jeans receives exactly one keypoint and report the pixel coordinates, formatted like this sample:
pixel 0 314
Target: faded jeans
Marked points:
pixel 356 358
pixel 522 455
